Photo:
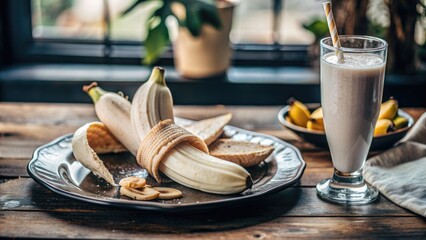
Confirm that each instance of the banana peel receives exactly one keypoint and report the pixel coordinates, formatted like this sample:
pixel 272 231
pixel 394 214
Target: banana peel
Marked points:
pixel 91 139
pixel 209 129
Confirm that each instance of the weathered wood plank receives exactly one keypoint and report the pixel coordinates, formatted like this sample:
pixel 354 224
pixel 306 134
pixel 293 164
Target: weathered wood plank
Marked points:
pixel 29 195
pixel 295 212
pixel 136 224
pixel 415 112
pixel 312 176
pixel 13 168
pixel 46 114
pixel 262 117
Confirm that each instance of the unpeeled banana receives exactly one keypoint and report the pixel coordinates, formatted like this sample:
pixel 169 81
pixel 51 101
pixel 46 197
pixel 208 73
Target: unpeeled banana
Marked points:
pixel 313 124
pixel 298 112
pixel 383 126
pixel 399 122
pixel 316 121
pixel 389 109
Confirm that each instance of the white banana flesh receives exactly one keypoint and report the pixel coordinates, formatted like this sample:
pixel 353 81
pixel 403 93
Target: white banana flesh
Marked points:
pixel 184 164
pixel 114 111
pixel 152 101
pixel 113 104
pixel 196 169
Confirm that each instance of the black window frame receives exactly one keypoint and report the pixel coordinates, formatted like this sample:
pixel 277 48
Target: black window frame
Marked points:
pixel 26 49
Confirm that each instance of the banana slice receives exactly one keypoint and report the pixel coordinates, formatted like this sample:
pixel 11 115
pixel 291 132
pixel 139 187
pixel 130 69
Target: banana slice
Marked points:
pixel 133 182
pixel 143 194
pixel 168 193
pixel 93 138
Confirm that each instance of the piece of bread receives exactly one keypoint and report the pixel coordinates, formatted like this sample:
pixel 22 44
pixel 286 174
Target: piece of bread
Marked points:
pixel 246 154
pixel 209 129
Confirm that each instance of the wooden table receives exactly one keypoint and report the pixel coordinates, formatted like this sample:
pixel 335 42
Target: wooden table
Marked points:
pixel 30 210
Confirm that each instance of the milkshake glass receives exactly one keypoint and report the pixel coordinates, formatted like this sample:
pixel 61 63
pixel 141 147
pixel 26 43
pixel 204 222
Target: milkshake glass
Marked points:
pixel 351 94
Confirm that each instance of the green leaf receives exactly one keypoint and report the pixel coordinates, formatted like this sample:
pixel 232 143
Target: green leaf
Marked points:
pixel 132 6
pixel 157 39
pixel 199 12
pixel 193 21
pixel 210 15
pixel 318 27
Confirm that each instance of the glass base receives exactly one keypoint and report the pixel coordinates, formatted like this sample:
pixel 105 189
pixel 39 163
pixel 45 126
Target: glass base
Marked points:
pixel 347 188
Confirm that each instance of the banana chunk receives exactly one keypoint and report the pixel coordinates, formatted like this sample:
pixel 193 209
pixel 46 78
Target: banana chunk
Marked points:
pixel 133 182
pixel 93 138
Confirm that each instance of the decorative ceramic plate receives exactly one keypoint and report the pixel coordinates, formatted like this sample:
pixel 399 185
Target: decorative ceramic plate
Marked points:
pixel 318 137
pixel 54 166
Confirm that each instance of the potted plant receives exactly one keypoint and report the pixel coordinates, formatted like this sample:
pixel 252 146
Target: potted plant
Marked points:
pixel 202 46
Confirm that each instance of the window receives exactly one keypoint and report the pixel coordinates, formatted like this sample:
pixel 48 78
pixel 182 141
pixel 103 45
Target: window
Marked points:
pixel 254 21
pixel 265 32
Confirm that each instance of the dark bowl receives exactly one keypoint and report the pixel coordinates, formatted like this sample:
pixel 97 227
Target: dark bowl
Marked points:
pixel 318 137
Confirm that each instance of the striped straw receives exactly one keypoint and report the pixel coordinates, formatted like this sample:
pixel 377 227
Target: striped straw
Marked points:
pixel 333 30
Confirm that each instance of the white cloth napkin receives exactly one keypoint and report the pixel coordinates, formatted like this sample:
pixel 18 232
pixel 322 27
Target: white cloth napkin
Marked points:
pixel 400 172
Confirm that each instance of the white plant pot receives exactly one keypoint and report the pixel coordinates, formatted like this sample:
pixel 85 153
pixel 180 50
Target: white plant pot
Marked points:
pixel 208 54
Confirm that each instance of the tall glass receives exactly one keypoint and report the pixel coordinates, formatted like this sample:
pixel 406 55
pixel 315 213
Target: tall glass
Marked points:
pixel 351 94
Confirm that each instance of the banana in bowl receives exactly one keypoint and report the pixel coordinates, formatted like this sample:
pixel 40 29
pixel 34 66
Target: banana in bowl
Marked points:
pixel 306 121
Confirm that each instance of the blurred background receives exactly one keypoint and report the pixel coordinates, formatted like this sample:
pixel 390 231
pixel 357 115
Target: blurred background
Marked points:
pixel 253 21
pixel 60 44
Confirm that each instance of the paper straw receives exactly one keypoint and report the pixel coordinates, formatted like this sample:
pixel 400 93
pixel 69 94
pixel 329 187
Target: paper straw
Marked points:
pixel 333 30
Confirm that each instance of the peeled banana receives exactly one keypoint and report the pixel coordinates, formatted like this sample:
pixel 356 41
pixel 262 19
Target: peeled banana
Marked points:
pixel 184 164
pixel 196 169
pixel 152 103
pixel 389 109
pixel 113 110
pixel 298 113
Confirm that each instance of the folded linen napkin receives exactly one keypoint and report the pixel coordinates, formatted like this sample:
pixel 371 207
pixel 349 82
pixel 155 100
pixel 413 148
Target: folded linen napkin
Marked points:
pixel 400 173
